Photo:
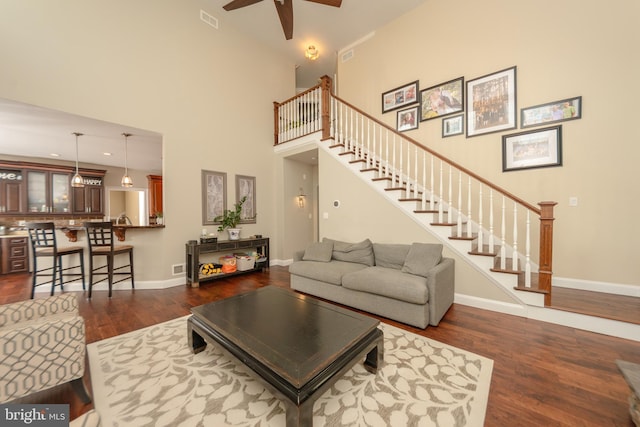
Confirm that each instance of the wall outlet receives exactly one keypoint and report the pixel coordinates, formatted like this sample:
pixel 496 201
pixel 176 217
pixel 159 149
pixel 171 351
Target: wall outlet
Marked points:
pixel 573 201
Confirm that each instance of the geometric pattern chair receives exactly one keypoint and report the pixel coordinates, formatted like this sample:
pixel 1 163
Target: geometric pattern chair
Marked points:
pixel 101 244
pixel 43 244
pixel 42 345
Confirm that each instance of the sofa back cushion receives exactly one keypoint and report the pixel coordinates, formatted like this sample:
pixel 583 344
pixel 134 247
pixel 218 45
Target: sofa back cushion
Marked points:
pixel 422 257
pixel 390 255
pixel 361 252
pixel 318 251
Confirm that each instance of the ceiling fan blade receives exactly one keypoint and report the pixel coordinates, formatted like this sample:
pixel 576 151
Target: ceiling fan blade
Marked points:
pixel 335 3
pixel 285 12
pixel 237 4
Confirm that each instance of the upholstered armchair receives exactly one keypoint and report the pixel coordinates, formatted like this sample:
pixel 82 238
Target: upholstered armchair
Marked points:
pixel 42 345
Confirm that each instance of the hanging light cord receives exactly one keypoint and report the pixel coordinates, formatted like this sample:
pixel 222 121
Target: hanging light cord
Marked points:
pixel 77 134
pixel 126 169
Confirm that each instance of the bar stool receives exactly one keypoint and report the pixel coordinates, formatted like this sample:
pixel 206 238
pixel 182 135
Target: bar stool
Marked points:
pixel 101 244
pixel 43 244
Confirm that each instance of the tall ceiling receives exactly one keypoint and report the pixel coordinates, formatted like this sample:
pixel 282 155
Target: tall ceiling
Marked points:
pixel 330 29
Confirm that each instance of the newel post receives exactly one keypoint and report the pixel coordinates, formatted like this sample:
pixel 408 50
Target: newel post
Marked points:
pixel 276 122
pixel 545 271
pixel 325 86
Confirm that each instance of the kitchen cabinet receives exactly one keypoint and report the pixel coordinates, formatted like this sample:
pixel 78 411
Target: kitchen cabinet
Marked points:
pixel 14 257
pixel 155 194
pixel 11 191
pixel 48 192
pixel 36 189
pixel 90 198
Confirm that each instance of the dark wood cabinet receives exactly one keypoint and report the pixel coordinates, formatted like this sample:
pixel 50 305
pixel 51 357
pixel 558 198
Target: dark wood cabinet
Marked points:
pixel 12 200
pixel 155 194
pixel 14 254
pixel 88 199
pixel 36 189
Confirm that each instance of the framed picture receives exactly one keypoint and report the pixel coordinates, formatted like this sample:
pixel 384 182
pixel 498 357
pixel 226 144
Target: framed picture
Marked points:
pixel 442 100
pixel 214 196
pixel 407 119
pixel 552 112
pixel 400 97
pixel 246 186
pixel 491 103
pixel 453 125
pixel 532 149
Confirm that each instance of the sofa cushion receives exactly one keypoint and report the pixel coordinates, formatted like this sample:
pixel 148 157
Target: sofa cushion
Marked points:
pixel 422 257
pixel 388 282
pixel 390 255
pixel 361 252
pixel 318 251
pixel 330 272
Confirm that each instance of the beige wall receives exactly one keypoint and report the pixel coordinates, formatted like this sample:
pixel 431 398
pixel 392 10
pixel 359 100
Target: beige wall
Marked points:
pixel 562 49
pixel 153 64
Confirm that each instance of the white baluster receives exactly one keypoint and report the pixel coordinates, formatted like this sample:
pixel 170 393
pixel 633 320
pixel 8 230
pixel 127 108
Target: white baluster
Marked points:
pixel 491 241
pixel 415 181
pixel 527 265
pixel 423 205
pixel 440 195
pixel 432 196
pixel 459 224
pixel 450 214
pixel 480 217
pixel 503 249
pixel 514 256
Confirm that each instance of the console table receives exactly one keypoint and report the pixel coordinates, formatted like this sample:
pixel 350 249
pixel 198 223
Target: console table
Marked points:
pixel 193 250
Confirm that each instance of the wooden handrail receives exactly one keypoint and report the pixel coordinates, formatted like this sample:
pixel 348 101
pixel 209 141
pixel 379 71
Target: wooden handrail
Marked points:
pixel 441 157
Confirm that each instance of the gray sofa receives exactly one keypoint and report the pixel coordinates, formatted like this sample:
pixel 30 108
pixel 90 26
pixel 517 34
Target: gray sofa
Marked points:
pixel 412 284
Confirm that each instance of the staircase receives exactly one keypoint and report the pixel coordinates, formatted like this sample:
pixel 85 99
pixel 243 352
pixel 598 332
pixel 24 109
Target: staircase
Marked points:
pixel 505 238
pixel 443 197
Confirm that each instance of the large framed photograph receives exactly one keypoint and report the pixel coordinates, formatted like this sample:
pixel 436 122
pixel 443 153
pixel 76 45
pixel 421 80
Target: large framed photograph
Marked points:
pixel 214 196
pixel 442 100
pixel 491 103
pixel 246 186
pixel 453 125
pixel 551 112
pixel 532 149
pixel 400 97
pixel 407 119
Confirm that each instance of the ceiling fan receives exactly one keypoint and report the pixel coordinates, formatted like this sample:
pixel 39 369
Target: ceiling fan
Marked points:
pixel 284 8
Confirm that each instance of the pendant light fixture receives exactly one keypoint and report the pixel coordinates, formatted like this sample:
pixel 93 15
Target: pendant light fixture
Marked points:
pixel 126 179
pixel 77 180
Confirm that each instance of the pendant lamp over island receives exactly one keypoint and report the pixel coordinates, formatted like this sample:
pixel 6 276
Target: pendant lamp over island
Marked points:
pixel 126 179
pixel 77 180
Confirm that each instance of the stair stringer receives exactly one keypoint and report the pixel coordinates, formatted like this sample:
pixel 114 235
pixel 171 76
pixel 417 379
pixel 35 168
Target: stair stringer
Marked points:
pixel 506 282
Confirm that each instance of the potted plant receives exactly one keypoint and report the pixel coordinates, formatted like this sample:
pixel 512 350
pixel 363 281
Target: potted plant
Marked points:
pixel 230 219
pixel 159 218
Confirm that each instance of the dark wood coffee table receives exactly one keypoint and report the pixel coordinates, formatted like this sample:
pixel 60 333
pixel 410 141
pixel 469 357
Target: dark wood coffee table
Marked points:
pixel 297 345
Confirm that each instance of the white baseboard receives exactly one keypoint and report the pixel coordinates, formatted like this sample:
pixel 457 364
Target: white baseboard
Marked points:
pixel 593 286
pixel 598 325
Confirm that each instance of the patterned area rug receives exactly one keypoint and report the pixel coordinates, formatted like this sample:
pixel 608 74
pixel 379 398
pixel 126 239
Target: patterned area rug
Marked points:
pixel 150 377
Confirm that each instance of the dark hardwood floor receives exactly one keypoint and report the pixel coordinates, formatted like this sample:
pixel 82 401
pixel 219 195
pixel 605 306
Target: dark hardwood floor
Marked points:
pixel 543 374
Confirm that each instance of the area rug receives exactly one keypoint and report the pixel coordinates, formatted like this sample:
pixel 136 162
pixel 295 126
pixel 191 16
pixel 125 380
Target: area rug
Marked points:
pixel 150 377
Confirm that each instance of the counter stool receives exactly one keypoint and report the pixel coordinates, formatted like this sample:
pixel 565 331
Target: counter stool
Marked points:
pixel 43 244
pixel 101 244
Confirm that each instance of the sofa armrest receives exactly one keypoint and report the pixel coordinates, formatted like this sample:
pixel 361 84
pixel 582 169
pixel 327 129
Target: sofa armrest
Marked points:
pixel 441 285
pixel 44 353
pixel 297 255
pixel 23 311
